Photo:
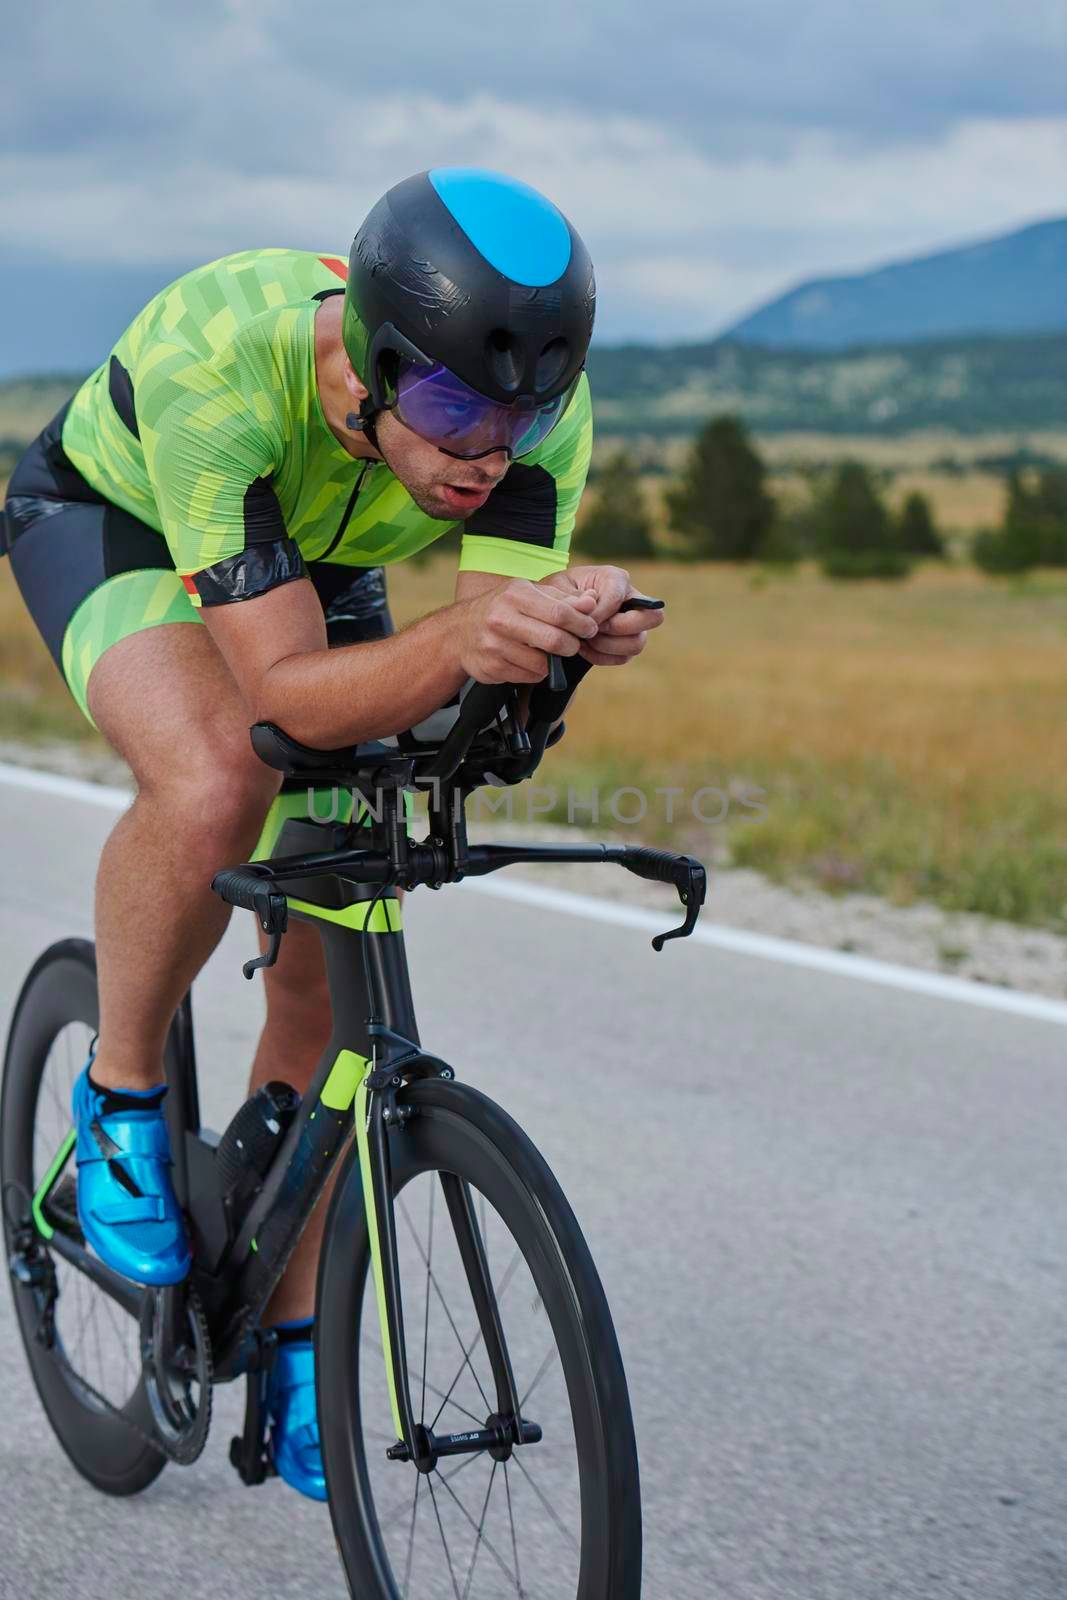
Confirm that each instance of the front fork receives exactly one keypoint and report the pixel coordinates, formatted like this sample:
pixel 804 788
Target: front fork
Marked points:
pixel 379 1116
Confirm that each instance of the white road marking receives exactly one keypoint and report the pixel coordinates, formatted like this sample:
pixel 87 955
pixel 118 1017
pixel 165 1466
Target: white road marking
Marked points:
pixel 94 794
pixel 789 952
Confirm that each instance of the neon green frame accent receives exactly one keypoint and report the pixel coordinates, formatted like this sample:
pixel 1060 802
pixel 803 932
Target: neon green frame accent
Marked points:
pixel 385 919
pixel 346 1074
pixel 295 806
pixel 41 1222
pixel 363 1145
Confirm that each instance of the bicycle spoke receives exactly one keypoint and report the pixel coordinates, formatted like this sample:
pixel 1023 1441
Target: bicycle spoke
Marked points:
pixel 122 1341
pixel 567 1534
pixel 514 1538
pixel 400 1509
pixel 451 1321
pixel 56 1101
pixel 509 1274
pixel 444 1541
pixel 439 1394
pixel 497 1557
pixel 94 1306
pixel 411 1536
pixel 481 1530
pixel 553 1355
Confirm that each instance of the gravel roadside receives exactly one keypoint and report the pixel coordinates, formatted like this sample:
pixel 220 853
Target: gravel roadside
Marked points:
pixel 921 935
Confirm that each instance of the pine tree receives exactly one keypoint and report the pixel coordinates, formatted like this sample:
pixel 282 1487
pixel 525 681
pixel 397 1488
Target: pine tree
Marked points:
pixel 1033 530
pixel 721 507
pixel 617 526
pixel 856 536
pixel 917 533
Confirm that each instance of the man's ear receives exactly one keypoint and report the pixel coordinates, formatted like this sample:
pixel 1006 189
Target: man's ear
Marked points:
pixel 353 385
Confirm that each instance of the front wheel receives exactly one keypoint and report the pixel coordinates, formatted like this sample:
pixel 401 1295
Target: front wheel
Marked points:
pixel 558 1518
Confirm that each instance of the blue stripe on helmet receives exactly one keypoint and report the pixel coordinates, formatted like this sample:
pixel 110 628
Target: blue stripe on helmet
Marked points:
pixel 517 230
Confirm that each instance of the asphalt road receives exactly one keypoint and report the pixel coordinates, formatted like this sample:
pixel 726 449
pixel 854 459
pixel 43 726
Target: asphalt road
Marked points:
pixel 829 1217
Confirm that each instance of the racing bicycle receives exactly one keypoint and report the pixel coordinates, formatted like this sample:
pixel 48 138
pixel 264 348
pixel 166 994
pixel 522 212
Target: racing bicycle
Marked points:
pixel 474 1415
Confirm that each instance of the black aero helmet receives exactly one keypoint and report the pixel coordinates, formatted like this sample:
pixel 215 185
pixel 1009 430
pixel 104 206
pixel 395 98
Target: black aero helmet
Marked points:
pixel 475 273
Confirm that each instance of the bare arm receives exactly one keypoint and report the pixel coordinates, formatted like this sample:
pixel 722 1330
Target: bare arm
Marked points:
pixel 470 584
pixel 275 646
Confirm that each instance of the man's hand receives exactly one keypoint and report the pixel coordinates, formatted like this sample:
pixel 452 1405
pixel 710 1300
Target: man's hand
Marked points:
pixel 506 633
pixel 619 637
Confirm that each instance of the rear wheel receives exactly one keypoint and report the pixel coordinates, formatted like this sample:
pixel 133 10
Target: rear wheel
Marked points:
pixel 83 1347
pixel 557 1518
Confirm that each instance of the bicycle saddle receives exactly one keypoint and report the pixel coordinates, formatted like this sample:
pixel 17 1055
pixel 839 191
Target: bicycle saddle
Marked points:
pixel 276 749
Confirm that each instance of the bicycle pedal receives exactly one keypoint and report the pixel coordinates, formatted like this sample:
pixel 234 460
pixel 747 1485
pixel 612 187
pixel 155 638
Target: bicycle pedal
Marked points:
pixel 252 1468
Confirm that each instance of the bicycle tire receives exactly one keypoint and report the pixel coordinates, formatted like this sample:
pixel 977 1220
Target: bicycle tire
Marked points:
pixel 456 1129
pixel 109 1450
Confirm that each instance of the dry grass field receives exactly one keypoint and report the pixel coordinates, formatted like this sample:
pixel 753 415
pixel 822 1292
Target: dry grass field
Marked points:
pixel 906 739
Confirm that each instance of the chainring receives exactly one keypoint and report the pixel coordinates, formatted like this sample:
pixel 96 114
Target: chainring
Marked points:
pixel 177 1365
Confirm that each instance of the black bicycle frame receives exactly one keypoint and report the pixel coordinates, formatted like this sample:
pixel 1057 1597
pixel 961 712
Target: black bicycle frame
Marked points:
pixel 373 1051
pixel 342 879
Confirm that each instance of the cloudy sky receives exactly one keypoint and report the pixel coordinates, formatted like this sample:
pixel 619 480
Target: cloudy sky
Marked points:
pixel 712 152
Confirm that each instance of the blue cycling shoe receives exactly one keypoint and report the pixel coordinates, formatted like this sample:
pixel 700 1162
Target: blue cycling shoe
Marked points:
pixel 126 1202
pixel 294 1435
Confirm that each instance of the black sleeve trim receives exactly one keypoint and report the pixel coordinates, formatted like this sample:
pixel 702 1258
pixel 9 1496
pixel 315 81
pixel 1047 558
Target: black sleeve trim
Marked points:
pixel 264 523
pixel 522 507
pixel 250 573
pixel 120 388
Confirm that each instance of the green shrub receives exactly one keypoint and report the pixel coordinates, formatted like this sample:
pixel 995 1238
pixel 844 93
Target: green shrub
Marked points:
pixel 617 526
pixel 998 555
pixel 866 564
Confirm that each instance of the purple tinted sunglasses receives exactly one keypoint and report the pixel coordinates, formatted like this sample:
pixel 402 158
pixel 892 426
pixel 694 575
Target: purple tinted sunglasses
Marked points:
pixel 444 411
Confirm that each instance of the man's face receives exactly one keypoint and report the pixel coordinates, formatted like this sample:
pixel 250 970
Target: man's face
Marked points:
pixel 440 485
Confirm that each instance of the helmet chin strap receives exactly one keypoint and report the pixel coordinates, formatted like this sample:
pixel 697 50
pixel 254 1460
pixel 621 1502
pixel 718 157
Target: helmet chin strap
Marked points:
pixel 364 421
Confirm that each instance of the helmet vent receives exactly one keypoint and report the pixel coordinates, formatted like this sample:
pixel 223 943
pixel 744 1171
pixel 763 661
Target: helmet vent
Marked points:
pixel 504 356
pixel 552 363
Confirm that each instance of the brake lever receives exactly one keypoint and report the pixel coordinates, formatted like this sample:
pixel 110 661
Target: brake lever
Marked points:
pixel 692 894
pixel 663 866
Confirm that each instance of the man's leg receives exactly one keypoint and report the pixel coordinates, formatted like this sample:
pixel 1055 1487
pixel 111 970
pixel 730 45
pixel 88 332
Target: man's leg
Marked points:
pixel 167 702
pixel 165 699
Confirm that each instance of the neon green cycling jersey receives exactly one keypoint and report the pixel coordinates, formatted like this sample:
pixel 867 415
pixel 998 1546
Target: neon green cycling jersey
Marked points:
pixel 206 424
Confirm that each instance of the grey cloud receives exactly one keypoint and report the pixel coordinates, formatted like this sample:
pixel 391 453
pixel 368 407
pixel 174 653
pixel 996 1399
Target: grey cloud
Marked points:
pixel 733 77
pixel 707 150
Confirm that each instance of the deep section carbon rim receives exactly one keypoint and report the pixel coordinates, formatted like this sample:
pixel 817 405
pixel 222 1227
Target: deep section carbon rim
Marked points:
pixel 88 1373
pixel 560 1517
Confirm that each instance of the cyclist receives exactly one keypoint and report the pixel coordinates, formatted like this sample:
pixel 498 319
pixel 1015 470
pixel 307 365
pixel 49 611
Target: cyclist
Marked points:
pixel 207 517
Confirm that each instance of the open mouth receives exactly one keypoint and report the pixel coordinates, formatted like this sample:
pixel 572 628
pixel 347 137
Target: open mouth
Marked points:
pixel 459 498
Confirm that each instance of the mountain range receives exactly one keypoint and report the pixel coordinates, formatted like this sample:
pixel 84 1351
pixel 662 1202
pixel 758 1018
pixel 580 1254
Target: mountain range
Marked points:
pixel 1014 284
pixel 968 340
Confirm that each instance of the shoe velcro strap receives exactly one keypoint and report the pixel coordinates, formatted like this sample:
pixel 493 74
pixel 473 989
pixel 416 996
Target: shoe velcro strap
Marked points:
pixel 148 1208
pixel 111 1152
